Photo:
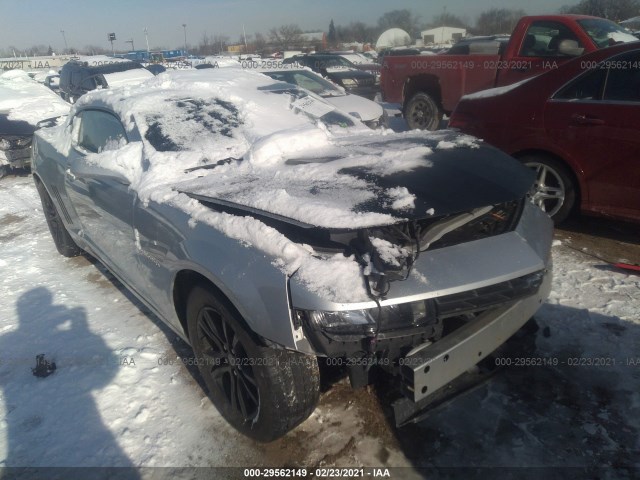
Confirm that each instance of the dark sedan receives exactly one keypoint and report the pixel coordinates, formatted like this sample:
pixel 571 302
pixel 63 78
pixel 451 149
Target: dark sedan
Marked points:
pixel 24 106
pixel 341 71
pixel 577 125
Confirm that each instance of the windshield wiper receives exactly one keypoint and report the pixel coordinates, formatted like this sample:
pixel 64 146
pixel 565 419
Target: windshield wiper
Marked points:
pixel 209 166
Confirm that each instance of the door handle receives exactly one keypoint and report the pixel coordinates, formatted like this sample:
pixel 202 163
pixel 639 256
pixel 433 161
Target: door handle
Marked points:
pixel 584 120
pixel 69 174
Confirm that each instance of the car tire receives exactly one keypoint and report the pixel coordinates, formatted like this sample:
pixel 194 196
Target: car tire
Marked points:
pixel 554 189
pixel 422 112
pixel 61 238
pixel 262 392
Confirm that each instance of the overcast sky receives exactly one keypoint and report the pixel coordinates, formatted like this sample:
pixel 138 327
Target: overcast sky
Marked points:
pixel 87 22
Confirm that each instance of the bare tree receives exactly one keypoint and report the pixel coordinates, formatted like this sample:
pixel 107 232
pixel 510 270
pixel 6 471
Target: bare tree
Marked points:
pixel 616 10
pixel 446 19
pixel 285 35
pixel 259 42
pixel 205 45
pixel 498 20
pixel 361 32
pixel 94 50
pixel 403 19
pixel 220 43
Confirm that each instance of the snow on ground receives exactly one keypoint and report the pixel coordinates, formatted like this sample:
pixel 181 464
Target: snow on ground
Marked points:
pixel 121 397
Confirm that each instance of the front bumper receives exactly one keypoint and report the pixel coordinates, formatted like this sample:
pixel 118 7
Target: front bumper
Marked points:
pixel 431 366
pixel 16 158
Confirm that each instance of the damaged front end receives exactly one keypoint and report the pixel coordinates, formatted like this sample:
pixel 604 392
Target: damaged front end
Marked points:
pixel 462 270
pixel 445 293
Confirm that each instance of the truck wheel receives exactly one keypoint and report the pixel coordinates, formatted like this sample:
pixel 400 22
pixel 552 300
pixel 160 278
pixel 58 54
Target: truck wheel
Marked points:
pixel 422 113
pixel 61 238
pixel 554 190
pixel 260 391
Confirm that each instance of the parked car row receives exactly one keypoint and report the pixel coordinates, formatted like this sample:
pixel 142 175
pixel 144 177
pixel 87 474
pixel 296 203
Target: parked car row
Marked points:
pixel 80 76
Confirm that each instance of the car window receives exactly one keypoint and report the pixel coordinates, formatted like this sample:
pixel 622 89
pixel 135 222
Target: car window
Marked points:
pixel 99 131
pixel 586 87
pixel 543 39
pixel 623 81
pixel 605 33
pixel 615 79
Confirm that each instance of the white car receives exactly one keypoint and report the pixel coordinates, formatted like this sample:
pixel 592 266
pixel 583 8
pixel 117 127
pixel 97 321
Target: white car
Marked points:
pixel 369 112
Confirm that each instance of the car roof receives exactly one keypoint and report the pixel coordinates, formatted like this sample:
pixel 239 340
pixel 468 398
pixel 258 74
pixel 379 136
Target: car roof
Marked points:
pixel 218 109
pixel 117 66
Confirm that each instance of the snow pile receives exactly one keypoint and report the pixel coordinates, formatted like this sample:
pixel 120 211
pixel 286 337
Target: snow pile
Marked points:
pixel 402 199
pixel 26 100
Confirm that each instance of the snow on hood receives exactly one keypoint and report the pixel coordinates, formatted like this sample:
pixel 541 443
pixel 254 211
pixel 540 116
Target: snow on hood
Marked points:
pixel 128 77
pixel 26 100
pixel 268 152
pixel 365 108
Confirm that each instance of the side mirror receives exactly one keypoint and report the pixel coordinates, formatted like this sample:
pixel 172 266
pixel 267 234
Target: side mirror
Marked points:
pixel 570 48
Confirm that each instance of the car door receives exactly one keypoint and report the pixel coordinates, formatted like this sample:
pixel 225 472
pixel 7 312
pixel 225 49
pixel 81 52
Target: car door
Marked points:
pixel 99 193
pixel 596 120
pixel 538 52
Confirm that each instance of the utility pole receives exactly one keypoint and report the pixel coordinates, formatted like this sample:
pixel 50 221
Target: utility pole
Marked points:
pixel 246 48
pixel 66 47
pixel 184 25
pixel 112 37
pixel 146 37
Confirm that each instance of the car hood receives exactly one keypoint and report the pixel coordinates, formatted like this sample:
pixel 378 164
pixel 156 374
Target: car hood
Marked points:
pixel 348 73
pixel 15 127
pixel 354 104
pixel 364 182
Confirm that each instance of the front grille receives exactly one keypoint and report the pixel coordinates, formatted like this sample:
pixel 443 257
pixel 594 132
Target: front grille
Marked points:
pixel 494 295
pixel 365 82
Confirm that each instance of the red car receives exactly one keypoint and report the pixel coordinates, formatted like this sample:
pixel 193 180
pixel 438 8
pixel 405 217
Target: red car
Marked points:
pixel 577 125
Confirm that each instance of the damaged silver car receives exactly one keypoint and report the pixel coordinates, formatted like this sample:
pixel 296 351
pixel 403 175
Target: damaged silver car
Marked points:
pixel 269 229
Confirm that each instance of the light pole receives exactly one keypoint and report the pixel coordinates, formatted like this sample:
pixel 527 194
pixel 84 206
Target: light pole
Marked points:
pixel 146 37
pixel 66 47
pixel 184 25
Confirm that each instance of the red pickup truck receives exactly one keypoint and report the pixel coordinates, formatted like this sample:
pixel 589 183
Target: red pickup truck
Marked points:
pixel 428 86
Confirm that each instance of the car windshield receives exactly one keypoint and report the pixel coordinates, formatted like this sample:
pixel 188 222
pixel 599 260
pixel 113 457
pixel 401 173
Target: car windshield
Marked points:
pixel 312 106
pixel 354 58
pixel 605 33
pixel 180 120
pixel 308 81
pixel 333 62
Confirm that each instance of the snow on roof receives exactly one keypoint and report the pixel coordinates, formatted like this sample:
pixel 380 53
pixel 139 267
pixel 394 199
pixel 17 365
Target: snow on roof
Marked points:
pixel 26 100
pixel 128 77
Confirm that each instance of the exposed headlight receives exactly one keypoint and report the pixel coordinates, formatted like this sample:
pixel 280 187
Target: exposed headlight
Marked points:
pixel 363 322
pixel 13 142
pixel 349 82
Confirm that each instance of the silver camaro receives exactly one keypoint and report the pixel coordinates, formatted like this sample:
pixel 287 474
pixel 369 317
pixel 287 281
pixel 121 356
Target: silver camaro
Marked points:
pixel 269 229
